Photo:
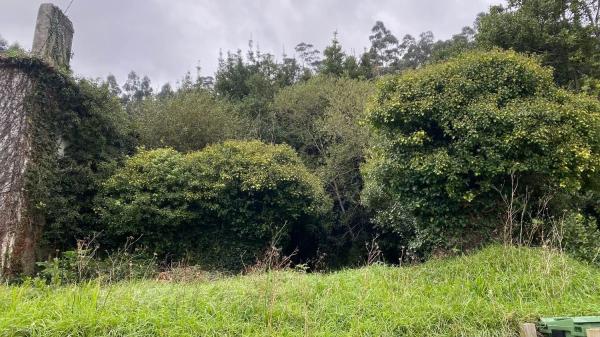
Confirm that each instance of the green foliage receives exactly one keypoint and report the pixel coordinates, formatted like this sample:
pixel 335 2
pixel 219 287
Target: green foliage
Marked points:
pixel 385 49
pixel 251 83
pixel 388 55
pixel 481 295
pixel 83 264
pixel 221 206
pixel 136 90
pixel 458 44
pixel 333 62
pixel 337 64
pixel 458 137
pixel 147 197
pixel 187 121
pixel 93 142
pixel 309 59
pixel 78 132
pixel 416 53
pixel 581 237
pixel 320 118
pixel 564 32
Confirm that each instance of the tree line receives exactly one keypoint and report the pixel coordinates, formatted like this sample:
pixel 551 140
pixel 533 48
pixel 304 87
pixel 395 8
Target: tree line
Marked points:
pixel 415 142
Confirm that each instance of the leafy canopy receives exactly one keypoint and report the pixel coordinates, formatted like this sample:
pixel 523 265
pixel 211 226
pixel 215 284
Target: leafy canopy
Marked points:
pixel 565 33
pixel 451 136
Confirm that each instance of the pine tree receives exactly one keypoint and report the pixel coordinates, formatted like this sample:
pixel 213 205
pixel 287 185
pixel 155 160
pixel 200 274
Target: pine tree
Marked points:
pixel 333 63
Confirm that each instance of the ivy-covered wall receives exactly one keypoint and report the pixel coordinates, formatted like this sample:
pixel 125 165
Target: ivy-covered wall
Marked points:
pixel 56 136
pixel 30 94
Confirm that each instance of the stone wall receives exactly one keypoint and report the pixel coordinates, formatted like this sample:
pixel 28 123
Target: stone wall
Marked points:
pixel 16 228
pixel 20 225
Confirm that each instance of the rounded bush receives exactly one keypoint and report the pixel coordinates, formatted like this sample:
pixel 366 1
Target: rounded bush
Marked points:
pixel 187 121
pixel 454 140
pixel 220 206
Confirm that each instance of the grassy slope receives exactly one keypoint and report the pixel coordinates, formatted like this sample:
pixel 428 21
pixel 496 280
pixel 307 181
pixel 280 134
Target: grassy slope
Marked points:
pixel 485 294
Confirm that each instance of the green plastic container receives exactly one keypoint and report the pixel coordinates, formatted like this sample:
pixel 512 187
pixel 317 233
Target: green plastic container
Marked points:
pixel 568 326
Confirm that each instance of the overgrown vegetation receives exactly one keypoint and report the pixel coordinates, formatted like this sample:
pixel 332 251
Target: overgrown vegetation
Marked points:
pixel 320 118
pixel 233 205
pixel 80 131
pixel 564 33
pixel 460 144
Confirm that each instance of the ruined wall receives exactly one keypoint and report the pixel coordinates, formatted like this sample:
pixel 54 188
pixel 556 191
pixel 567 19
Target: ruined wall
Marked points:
pixel 20 223
pixel 16 227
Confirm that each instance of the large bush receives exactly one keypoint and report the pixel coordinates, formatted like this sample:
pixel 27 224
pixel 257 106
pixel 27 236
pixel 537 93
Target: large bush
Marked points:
pixel 221 206
pixel 462 143
pixel 187 121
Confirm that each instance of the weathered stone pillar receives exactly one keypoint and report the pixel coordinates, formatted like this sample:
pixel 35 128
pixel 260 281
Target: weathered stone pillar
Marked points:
pixel 53 36
pixel 20 224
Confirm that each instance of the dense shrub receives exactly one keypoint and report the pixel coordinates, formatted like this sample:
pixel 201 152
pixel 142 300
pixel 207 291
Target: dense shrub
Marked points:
pixel 456 138
pixel 320 118
pixel 187 121
pixel 221 206
pixel 580 237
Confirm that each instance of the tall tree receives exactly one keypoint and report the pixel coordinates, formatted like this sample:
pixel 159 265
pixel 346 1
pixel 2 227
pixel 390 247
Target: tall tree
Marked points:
pixel 145 89
pixel 131 87
pixel 366 69
pixel 232 75
pixel 113 85
pixel 416 53
pixel 166 91
pixel 351 67
pixel 564 32
pixel 251 84
pixel 333 63
pixel 310 57
pixel 459 43
pixel 135 90
pixel 384 50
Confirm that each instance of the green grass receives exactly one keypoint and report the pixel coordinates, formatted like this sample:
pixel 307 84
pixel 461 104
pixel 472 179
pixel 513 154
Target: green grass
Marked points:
pixel 484 294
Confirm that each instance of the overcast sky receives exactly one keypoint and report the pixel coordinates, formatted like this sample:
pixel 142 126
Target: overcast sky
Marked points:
pixel 166 38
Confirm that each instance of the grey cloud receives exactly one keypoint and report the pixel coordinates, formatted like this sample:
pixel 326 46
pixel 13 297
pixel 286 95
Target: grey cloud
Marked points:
pixel 164 39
